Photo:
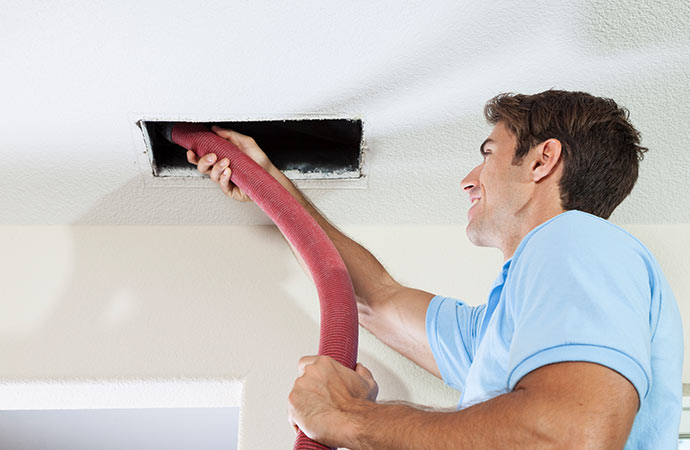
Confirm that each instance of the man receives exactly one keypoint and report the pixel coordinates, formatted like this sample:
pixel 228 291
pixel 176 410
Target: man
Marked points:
pixel 580 342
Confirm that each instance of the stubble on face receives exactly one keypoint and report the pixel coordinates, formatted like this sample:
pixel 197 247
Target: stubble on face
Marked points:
pixel 489 219
pixel 481 230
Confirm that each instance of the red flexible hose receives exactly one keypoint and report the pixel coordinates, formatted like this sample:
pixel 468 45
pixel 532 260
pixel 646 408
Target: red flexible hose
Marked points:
pixel 338 334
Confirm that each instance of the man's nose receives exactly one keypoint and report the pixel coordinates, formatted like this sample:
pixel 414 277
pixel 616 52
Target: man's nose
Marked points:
pixel 471 180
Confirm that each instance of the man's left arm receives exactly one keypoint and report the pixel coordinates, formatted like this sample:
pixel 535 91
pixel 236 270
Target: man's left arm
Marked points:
pixel 561 405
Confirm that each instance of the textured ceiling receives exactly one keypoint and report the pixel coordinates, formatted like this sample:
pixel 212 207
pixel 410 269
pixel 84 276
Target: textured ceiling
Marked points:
pixel 77 75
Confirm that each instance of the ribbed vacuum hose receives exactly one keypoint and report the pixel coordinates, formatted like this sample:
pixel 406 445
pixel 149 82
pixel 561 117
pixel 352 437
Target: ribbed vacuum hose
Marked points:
pixel 333 284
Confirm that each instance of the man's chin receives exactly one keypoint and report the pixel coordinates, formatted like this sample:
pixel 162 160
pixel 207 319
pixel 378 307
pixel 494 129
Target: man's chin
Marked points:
pixel 473 234
pixel 473 231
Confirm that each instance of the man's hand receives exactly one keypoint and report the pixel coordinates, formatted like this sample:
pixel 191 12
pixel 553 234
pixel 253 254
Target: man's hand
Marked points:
pixel 220 172
pixel 324 396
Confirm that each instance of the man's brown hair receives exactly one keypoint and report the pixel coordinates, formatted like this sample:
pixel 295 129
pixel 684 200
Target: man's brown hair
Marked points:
pixel 600 148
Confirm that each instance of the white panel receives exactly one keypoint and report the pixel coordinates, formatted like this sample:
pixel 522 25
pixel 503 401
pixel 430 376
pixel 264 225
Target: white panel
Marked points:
pixel 117 429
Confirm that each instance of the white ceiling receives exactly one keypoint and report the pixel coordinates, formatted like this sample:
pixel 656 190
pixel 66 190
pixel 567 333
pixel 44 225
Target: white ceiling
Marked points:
pixel 76 75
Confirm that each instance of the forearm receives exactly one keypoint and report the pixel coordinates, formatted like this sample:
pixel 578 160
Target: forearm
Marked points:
pixel 367 273
pixel 507 421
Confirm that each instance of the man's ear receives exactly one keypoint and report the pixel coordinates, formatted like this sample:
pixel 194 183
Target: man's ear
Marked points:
pixel 546 159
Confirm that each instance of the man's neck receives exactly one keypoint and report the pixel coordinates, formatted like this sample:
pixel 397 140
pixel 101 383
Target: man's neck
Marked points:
pixel 524 228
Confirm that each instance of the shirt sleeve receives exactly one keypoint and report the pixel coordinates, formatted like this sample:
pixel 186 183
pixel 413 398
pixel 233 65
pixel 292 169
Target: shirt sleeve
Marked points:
pixel 452 328
pixel 581 295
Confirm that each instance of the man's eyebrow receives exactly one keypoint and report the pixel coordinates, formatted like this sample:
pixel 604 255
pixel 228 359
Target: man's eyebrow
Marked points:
pixel 481 147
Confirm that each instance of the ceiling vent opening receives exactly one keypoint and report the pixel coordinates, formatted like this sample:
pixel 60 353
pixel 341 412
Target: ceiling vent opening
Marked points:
pixel 302 149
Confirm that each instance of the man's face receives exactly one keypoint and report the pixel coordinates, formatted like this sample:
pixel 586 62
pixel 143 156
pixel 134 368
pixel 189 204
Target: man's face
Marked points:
pixel 497 190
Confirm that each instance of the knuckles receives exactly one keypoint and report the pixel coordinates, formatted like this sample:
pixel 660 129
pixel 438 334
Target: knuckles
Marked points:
pixel 315 367
pixel 292 397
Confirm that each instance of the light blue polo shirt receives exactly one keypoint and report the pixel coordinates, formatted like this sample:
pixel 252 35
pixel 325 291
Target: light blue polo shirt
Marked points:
pixel 578 288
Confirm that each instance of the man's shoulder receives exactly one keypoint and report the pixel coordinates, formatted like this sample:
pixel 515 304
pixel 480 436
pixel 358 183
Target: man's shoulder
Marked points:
pixel 583 262
pixel 577 232
pixel 577 247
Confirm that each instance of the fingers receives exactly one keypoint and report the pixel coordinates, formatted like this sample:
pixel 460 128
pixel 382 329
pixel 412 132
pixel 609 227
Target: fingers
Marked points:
pixel 192 158
pixel 225 184
pixel 219 172
pixel 246 144
pixel 363 371
pixel 240 140
pixel 304 362
pixel 205 163
pixel 291 421
pixel 292 411
pixel 369 378
pixel 228 187
pixel 218 168
pixel 307 360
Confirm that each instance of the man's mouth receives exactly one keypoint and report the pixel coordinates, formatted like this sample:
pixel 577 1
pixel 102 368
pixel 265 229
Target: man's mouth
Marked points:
pixel 474 201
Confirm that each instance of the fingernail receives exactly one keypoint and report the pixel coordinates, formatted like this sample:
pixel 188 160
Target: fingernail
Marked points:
pixel 210 158
pixel 226 172
pixel 224 162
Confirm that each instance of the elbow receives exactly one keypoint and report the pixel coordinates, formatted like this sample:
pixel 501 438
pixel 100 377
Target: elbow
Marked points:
pixel 571 436
pixel 544 426
pixel 364 309
pixel 374 295
pixel 553 439
pixel 372 307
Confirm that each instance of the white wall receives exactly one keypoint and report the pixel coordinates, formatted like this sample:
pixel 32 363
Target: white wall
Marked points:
pixel 145 304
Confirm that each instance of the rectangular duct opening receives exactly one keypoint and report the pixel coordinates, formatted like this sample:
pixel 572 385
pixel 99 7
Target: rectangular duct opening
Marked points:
pixel 300 148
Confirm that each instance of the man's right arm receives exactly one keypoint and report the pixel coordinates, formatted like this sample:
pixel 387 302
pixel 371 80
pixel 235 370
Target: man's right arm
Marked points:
pixel 394 313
